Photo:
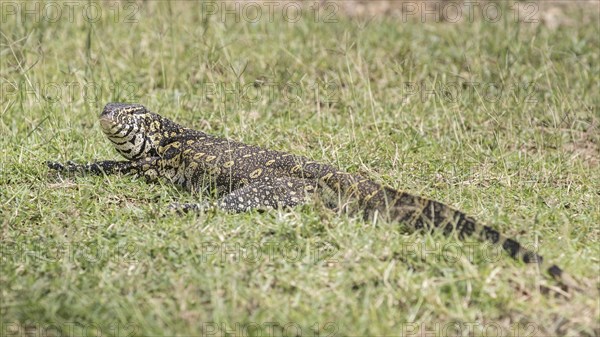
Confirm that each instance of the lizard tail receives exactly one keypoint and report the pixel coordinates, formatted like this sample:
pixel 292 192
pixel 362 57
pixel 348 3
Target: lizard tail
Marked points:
pixel 425 214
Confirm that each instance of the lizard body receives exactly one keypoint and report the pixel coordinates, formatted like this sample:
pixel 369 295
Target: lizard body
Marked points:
pixel 248 177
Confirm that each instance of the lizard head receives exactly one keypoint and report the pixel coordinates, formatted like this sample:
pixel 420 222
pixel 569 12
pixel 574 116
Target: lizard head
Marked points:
pixel 134 131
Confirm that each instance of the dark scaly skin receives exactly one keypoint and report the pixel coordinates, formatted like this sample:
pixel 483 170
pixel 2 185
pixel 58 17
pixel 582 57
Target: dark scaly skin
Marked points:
pixel 248 177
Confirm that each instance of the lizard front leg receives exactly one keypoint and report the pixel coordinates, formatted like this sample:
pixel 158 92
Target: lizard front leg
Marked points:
pixel 149 168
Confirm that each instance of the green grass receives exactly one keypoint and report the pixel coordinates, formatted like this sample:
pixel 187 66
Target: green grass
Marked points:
pixel 83 250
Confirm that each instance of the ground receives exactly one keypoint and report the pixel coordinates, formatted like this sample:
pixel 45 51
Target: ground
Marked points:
pixel 497 116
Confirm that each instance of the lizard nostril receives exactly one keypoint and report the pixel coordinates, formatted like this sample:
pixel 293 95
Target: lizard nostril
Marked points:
pixel 106 123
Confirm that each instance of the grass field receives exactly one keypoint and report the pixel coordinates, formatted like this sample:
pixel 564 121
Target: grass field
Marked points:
pixel 499 118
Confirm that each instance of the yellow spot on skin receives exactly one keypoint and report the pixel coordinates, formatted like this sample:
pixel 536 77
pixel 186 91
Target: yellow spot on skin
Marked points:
pixel 175 145
pixel 210 158
pixel 290 184
pixel 190 142
pixel 244 181
pixel 228 151
pixel 295 168
pixel 229 164
pixel 256 173
pixel 327 176
pixel 247 155
pixel 270 162
pixel 197 156
pixel 187 151
pixel 151 173
pixel 146 167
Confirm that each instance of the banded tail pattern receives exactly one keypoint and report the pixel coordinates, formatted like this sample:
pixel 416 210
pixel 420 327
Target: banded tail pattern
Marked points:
pixel 425 214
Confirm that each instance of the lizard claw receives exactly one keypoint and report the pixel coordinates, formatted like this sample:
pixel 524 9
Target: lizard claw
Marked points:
pixel 55 165
pixel 70 166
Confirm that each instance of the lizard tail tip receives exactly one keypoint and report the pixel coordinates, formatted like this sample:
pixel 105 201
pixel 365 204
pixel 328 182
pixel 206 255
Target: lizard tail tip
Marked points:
pixel 567 282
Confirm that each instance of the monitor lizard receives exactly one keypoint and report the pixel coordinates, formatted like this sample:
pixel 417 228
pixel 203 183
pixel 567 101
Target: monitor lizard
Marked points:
pixel 247 177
